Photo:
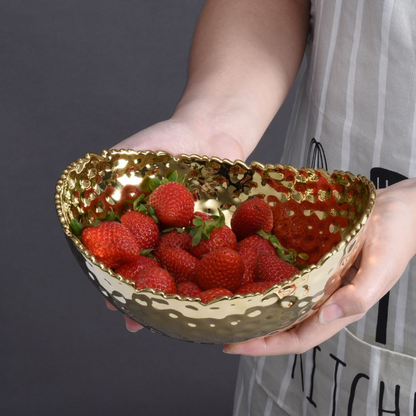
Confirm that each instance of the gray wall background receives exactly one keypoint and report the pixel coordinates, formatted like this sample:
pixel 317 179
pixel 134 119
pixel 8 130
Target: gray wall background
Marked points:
pixel 78 76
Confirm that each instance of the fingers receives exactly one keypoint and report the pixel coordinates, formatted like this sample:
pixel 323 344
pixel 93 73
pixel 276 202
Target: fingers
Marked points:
pixel 110 306
pixel 303 337
pixel 131 325
pixel 372 276
pixel 365 286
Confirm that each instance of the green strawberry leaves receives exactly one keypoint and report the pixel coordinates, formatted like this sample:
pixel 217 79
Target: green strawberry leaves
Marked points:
pixel 202 229
pixel 147 253
pixel 170 177
pixel 154 183
pixel 149 184
pixel 111 216
pixel 143 208
pixel 77 227
pixel 137 202
pixel 168 230
pixel 287 254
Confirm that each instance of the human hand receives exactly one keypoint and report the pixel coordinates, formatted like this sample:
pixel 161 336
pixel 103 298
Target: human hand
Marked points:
pixel 187 135
pixel 389 246
pixel 184 134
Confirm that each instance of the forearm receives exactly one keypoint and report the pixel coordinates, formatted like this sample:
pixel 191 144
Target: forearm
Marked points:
pixel 244 59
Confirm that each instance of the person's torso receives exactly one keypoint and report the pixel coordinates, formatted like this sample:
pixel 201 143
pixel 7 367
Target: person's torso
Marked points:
pixel 357 99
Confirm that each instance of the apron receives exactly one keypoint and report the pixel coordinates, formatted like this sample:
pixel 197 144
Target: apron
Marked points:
pixel 355 110
pixel 343 376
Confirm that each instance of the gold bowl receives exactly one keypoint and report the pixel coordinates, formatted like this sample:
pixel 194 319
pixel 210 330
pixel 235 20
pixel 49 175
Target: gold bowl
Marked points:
pixel 320 211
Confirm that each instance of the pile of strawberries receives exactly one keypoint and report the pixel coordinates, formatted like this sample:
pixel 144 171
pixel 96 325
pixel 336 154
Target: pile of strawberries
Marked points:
pixel 164 244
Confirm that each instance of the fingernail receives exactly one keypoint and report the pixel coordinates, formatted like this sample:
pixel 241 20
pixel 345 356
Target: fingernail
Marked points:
pixel 110 306
pixel 131 325
pixel 132 330
pixel 330 313
pixel 227 350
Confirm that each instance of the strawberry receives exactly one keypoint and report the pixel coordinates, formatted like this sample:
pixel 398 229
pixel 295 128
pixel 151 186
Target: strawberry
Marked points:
pixel 268 243
pixel 251 216
pixel 254 287
pixel 210 235
pixel 173 238
pixel 252 246
pixel 271 268
pixel 259 243
pixel 249 256
pixel 110 243
pixel 156 278
pixel 179 263
pixel 188 289
pixel 220 268
pixel 132 269
pixel 211 294
pixel 218 238
pixel 203 215
pixel 309 235
pixel 173 204
pixel 143 227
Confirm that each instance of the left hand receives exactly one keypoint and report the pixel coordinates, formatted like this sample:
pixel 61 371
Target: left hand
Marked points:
pixel 183 133
pixel 388 248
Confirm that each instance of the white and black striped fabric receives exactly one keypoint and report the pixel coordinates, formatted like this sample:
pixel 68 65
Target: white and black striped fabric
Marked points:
pixel 357 100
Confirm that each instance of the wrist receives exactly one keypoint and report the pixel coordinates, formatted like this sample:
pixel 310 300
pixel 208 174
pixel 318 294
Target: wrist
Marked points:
pixel 226 126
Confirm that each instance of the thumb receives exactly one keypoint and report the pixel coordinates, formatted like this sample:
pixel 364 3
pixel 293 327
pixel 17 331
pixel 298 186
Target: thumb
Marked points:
pixel 366 282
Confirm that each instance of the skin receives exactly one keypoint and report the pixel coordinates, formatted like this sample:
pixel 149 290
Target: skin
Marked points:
pixel 244 59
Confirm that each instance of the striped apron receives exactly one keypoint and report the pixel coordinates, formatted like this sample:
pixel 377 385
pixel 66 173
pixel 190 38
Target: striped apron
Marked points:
pixel 357 100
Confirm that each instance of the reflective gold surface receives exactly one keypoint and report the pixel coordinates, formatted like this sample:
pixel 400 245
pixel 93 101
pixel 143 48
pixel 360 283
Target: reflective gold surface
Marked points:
pixel 83 193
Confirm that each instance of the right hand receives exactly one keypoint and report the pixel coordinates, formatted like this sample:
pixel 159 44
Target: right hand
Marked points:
pixel 180 136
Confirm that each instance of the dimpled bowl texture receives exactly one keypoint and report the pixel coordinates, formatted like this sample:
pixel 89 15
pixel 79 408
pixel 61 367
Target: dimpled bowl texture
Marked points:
pixel 315 206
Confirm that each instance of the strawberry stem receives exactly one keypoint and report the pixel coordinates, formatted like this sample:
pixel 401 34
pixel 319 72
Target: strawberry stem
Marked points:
pixel 147 253
pixel 138 202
